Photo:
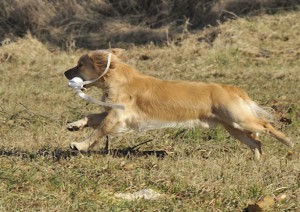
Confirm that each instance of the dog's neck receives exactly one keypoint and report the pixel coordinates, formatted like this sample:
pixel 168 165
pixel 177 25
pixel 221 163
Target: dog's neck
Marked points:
pixel 115 80
pixel 121 74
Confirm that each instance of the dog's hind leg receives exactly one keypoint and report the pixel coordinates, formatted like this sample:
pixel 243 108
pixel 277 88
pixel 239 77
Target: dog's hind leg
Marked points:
pixel 250 139
pixel 91 120
pixel 269 129
pixel 262 126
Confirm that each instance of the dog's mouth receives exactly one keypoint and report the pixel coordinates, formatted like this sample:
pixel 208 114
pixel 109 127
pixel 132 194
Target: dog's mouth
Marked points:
pixel 83 88
pixel 77 83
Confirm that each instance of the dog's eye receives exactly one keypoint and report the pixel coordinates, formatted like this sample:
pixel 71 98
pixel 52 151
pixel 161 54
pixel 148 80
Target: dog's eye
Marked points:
pixel 79 65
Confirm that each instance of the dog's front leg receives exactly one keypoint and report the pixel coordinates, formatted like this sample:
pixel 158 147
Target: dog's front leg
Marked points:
pixel 109 126
pixel 91 120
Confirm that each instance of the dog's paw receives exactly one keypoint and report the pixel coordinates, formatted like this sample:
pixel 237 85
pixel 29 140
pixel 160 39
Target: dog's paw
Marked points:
pixel 79 146
pixel 73 146
pixel 77 125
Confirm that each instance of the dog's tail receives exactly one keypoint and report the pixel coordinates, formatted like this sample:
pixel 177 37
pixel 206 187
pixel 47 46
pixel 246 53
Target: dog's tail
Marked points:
pixel 261 112
pixel 252 106
pixel 265 118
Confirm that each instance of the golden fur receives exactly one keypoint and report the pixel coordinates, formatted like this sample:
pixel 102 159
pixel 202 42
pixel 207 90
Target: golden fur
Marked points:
pixel 152 103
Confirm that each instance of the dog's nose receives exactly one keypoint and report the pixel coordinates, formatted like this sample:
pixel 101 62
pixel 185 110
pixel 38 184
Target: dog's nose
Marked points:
pixel 69 74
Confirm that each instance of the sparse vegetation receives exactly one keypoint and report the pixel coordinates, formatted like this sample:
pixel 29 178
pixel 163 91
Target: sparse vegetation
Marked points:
pixel 196 170
pixel 94 23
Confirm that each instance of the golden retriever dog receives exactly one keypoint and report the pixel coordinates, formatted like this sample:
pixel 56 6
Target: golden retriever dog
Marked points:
pixel 152 103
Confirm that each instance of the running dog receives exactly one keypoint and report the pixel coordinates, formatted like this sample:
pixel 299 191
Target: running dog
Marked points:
pixel 152 103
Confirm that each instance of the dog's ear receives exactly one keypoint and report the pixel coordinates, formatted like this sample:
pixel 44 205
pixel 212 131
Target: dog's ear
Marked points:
pixel 118 52
pixel 87 59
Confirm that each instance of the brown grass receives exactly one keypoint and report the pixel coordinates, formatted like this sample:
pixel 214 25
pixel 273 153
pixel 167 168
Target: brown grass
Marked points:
pixel 94 23
pixel 203 170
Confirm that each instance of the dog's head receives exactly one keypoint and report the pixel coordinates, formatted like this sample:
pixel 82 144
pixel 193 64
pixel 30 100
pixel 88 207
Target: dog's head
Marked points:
pixel 91 65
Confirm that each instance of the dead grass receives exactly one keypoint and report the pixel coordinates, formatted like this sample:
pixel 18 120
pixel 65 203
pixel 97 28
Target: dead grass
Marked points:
pixel 95 23
pixel 203 171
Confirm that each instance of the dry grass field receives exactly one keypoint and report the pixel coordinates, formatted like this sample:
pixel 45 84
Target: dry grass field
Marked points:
pixel 65 23
pixel 195 170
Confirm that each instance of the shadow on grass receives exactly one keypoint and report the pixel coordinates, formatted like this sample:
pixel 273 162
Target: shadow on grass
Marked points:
pixel 66 154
